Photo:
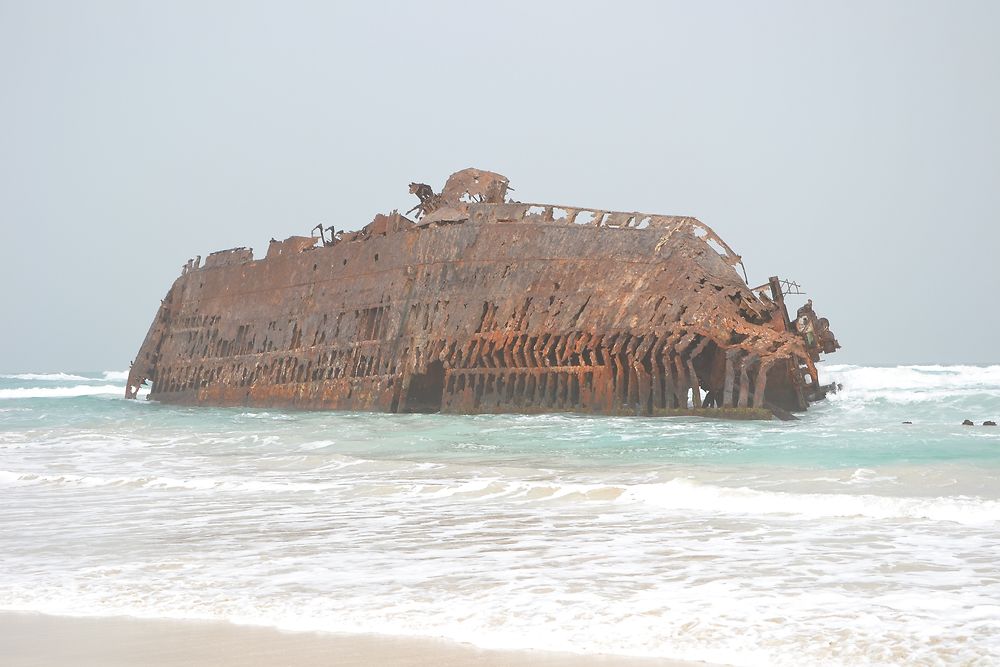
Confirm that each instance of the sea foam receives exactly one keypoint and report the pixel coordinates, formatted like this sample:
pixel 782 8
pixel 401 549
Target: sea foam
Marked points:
pixel 838 539
pixel 45 377
pixel 674 496
pixel 911 383
pixel 61 392
pixel 680 494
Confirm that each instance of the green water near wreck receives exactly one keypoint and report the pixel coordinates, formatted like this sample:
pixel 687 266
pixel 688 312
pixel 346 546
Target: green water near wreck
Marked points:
pixel 858 426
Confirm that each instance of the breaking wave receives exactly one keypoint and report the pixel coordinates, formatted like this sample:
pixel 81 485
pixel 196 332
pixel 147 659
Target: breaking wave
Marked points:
pixel 61 392
pixel 163 483
pixel 680 494
pixel 109 383
pixel 674 495
pixel 45 377
pixel 913 383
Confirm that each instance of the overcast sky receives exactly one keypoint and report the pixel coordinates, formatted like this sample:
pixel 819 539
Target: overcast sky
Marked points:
pixel 852 146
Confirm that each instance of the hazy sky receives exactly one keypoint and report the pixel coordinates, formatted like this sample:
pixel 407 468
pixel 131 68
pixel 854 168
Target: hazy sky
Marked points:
pixel 854 147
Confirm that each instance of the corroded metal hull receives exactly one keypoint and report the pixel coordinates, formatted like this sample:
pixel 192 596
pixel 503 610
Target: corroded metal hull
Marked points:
pixel 490 306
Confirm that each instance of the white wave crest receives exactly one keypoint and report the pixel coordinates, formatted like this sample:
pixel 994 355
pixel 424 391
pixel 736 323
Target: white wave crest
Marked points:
pixel 682 494
pixel 686 495
pixel 267 415
pixel 10 478
pixel 675 495
pixel 61 392
pixel 45 377
pixel 914 383
pixel 115 376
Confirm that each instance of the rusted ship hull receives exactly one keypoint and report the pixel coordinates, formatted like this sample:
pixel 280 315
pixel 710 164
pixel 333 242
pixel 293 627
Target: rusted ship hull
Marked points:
pixel 505 308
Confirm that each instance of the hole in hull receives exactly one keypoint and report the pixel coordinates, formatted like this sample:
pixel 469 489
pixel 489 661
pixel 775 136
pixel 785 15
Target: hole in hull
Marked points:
pixel 426 389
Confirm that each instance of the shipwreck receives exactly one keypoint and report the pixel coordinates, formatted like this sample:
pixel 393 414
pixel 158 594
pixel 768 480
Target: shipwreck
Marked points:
pixel 474 303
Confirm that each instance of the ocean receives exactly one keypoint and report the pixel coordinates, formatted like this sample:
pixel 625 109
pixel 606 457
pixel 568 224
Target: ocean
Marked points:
pixel 845 538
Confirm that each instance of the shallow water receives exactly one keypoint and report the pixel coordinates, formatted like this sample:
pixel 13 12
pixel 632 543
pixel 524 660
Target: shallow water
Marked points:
pixel 844 538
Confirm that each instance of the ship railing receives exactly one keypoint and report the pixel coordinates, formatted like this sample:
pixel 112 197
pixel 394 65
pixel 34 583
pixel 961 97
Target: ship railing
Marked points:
pixel 592 217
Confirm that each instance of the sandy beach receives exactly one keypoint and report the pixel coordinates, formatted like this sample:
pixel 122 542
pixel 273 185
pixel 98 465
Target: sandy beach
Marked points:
pixel 36 640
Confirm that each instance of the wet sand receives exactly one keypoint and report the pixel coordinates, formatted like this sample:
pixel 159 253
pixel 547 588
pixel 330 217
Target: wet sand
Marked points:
pixel 38 640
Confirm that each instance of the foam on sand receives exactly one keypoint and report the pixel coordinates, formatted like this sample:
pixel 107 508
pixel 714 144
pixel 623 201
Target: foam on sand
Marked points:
pixel 118 642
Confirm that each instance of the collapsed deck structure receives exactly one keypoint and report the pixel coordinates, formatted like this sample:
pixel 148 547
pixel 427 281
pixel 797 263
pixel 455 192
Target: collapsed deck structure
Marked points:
pixel 480 304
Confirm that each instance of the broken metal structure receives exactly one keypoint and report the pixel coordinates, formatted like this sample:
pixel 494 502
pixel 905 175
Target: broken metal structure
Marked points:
pixel 481 304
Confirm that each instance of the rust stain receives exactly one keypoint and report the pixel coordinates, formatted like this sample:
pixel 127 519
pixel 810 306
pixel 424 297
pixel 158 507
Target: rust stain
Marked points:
pixel 482 304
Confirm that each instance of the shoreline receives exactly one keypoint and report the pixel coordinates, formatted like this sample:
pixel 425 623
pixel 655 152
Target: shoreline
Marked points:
pixel 30 639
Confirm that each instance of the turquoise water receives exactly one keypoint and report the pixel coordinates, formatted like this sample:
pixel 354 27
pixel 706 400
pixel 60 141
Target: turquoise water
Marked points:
pixel 846 537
